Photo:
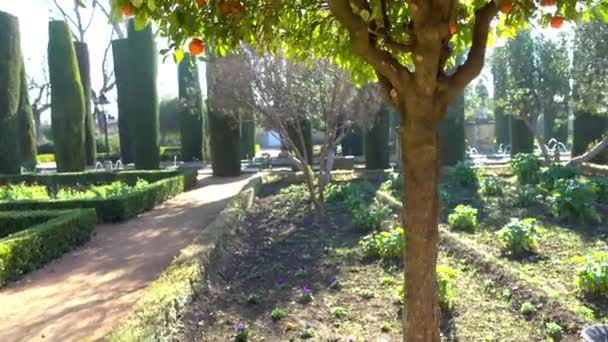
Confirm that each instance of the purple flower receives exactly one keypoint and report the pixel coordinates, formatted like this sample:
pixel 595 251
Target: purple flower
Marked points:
pixel 303 268
pixel 333 279
pixel 307 326
pixel 306 291
pixel 603 249
pixel 281 282
pixel 240 328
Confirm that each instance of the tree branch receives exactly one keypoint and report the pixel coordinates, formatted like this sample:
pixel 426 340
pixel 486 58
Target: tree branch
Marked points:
pixel 475 60
pixel 592 153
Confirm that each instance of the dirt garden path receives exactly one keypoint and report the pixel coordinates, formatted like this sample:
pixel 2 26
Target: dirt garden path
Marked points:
pixel 86 292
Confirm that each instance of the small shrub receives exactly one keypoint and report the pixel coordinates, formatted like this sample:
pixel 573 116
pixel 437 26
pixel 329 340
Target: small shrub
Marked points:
pixel 338 312
pixel 555 172
pixel 393 184
pixel 242 333
pixel 446 295
pixel 385 244
pixel 601 186
pixel 464 175
pixel 277 314
pixel 463 217
pixel 387 327
pixel 527 309
pixel 22 191
pixel 370 218
pixel 366 293
pixel 388 281
pixel 307 295
pixel 573 199
pixel 519 236
pixel 340 191
pixel 592 276
pixel 525 195
pixel 526 168
pixel 553 330
pixel 307 332
pixel 490 186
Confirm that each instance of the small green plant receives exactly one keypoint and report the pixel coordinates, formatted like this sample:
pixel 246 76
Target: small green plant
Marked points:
pixel 366 293
pixel 489 286
pixel 490 186
pixel 388 281
pixel 253 299
pixel 463 217
pixel 242 333
pixel 592 276
pixel 601 185
pixel 519 237
pixel 335 283
pixel 338 312
pixel 385 244
pixel 553 330
pixel 22 191
pixel 307 296
pixel 525 195
pixel 393 184
pixel 555 172
pixel 446 295
pixel 339 191
pixel 369 218
pixel 526 168
pixel 387 327
pixel 277 314
pixel 573 199
pixel 307 332
pixel 527 309
pixel 464 175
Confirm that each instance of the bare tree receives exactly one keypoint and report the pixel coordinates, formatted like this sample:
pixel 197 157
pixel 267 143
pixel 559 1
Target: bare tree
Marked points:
pixel 281 93
pixel 38 89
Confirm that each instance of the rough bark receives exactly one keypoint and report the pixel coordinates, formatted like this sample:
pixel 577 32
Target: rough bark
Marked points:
pixel 10 87
pixel 84 67
pixel 120 50
pixel 592 153
pixel 67 100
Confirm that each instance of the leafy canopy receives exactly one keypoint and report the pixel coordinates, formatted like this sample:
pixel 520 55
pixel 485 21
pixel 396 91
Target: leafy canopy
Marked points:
pixel 308 28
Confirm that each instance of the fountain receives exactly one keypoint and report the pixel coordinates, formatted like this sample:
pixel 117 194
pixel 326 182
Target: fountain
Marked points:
pixel 108 166
pixel 118 165
pixel 175 161
pixel 98 165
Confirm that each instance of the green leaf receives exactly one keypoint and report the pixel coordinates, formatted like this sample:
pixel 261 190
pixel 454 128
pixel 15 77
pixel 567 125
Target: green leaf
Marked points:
pixel 137 3
pixel 365 15
pixel 178 55
pixel 141 20
pixel 151 5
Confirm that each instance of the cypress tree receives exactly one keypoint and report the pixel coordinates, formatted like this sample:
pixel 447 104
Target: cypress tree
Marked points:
pixel 452 134
pixel 84 66
pixel 306 127
pixel 10 88
pixel 191 109
pixel 67 100
pixel 27 128
pixel 143 96
pixel 503 127
pixel 352 145
pixel 120 53
pixel 224 128
pixel 375 142
pixel 588 128
pixel 522 140
pixel 247 137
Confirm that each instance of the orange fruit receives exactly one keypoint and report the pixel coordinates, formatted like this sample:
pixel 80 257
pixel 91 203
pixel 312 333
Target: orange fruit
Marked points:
pixel 506 6
pixel 453 29
pixel 127 10
pixel 196 47
pixel 557 22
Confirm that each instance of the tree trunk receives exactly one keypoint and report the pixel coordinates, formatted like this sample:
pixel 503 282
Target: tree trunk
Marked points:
pixel 419 153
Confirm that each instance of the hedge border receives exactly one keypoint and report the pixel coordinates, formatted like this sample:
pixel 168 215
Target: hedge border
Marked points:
pixel 157 314
pixel 34 247
pixel 118 208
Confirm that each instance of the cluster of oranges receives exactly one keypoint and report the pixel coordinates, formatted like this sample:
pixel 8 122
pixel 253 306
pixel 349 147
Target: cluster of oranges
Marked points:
pixel 556 21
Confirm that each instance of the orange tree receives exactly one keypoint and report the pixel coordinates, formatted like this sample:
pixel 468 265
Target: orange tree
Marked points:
pixel 408 46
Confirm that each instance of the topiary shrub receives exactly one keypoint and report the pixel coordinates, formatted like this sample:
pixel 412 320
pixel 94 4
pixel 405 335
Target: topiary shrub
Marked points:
pixel 368 218
pixel 526 168
pixel 592 276
pixel 573 199
pixel 463 217
pixel 446 293
pixel 386 244
pixel 519 237
pixel 464 175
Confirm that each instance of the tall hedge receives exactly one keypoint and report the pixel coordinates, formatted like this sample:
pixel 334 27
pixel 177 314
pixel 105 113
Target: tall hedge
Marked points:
pixel 224 128
pixel 120 54
pixel 10 88
pixel 588 128
pixel 143 96
pixel 84 66
pixel 452 142
pixel 67 100
pixel 247 137
pixel 27 128
pixel 522 140
pixel 306 127
pixel 375 142
pixel 502 124
pixel 352 145
pixel 191 109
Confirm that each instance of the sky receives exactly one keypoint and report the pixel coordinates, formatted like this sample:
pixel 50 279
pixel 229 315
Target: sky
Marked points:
pixel 33 24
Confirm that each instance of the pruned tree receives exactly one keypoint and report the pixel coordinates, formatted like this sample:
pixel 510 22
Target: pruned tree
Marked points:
pixel 407 46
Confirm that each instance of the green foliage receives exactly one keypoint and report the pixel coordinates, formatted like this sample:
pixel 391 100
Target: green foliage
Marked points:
pixel 519 237
pixel 527 309
pixel 277 314
pixel 573 199
pixel 32 248
pixel 126 126
pixel 368 218
pixel 553 330
pixel 490 186
pixel 10 88
pixel 143 104
pixel 27 129
pixel 386 327
pixel 15 221
pixel 22 191
pixel 340 191
pixel 463 217
pixel 375 141
pixel 247 137
pixel 191 111
pixel 464 175
pixel 452 142
pixel 385 244
pixel 338 312
pixel 84 68
pixel 67 100
pixel 393 184
pixel 601 185
pixel 446 293
pixel 526 167
pixel 588 128
pixel 555 172
pixel 525 196
pixel 592 276
pixel 115 189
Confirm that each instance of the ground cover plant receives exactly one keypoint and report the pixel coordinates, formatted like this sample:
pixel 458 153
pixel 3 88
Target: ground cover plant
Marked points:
pixel 22 191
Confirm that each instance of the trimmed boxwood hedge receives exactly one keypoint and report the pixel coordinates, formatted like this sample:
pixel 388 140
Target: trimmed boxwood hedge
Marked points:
pixel 118 208
pixel 32 248
pixel 14 221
